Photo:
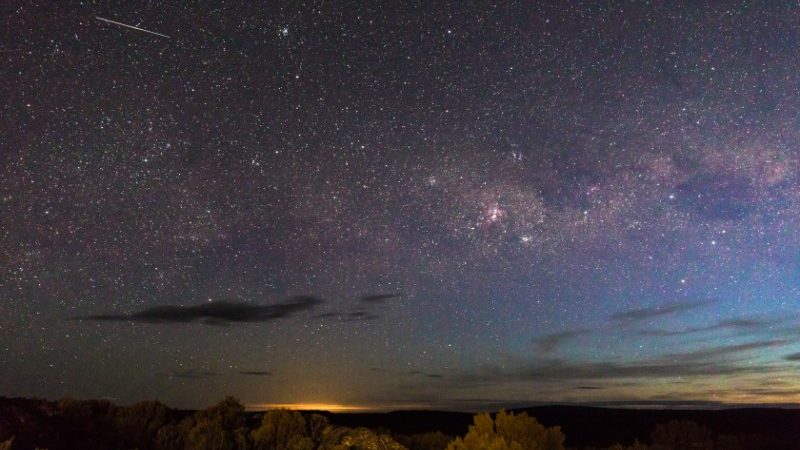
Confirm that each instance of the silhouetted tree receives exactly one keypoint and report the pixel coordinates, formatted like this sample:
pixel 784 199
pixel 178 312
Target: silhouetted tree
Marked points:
pixel 138 425
pixel 435 440
pixel 173 436
pixel 365 439
pixel 88 423
pixel 635 446
pixel 317 424
pixel 282 429
pixel 330 438
pixel 728 442
pixel 220 427
pixel 509 432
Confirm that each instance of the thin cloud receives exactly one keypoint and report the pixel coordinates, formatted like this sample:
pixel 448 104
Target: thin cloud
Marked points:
pixel 759 392
pixel 741 323
pixel 550 342
pixel 713 361
pixel 792 357
pixel 360 315
pixel 714 352
pixel 352 316
pixel 327 315
pixel 424 374
pixel 738 325
pixel 377 298
pixel 255 373
pixel 215 313
pixel 636 315
pixel 189 374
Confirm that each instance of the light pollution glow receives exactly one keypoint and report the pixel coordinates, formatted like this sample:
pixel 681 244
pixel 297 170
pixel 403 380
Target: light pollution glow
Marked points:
pixel 330 407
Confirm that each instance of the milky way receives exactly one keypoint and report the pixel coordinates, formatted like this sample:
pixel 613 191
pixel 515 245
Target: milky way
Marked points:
pixel 428 205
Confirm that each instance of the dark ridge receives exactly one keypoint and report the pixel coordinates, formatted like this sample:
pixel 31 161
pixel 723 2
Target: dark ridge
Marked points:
pixel 406 422
pixel 601 427
pixel 70 424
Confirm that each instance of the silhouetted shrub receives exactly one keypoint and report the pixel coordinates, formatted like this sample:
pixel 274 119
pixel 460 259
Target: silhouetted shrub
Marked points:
pixel 221 427
pixel 87 423
pixel 434 440
pixel 173 436
pixel 99 425
pixel 317 424
pixel 138 425
pixel 635 446
pixel 365 439
pixel 282 430
pixel 509 432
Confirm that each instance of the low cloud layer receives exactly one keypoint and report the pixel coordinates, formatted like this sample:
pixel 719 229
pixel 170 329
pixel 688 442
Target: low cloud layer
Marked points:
pixel 550 342
pixel 255 373
pixel 740 325
pixel 189 374
pixel 377 298
pixel 360 315
pixel 215 313
pixel 635 315
pixel 793 357
pixel 225 312
pixel 709 361
pixel 424 374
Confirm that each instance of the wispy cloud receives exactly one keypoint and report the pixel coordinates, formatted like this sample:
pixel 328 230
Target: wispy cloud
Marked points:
pixel 255 373
pixel 716 352
pixel 215 313
pixel 425 374
pixel 792 357
pixel 359 315
pixel 636 315
pixel 189 374
pixel 352 316
pixel 377 298
pixel 710 361
pixel 550 342
pixel 737 325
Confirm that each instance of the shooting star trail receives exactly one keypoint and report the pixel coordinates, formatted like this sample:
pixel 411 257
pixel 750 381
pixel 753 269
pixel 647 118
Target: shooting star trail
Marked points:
pixel 129 26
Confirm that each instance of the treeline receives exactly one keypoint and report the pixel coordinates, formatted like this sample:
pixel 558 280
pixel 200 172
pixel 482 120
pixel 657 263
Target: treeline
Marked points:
pixel 96 424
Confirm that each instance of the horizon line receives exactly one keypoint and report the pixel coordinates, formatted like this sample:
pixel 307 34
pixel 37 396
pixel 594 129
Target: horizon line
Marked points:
pixel 688 405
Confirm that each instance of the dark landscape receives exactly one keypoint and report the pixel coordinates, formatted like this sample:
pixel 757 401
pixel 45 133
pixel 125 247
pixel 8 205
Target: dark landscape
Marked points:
pixel 69 424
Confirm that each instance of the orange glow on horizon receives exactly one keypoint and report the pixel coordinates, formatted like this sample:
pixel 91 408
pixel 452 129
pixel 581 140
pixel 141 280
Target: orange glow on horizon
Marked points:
pixel 333 407
pixel 330 407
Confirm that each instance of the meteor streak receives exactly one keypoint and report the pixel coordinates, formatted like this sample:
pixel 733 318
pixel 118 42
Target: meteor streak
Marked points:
pixel 129 26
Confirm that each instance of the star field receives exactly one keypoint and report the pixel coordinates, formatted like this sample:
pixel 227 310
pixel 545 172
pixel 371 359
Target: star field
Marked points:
pixel 426 204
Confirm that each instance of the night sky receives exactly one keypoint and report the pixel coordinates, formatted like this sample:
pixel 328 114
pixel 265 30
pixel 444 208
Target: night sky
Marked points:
pixel 456 205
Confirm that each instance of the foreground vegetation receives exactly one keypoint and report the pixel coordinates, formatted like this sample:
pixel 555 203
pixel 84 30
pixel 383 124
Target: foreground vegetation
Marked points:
pixel 76 424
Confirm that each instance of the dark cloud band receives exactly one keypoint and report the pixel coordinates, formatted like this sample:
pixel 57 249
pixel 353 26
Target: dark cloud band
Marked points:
pixel 215 313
